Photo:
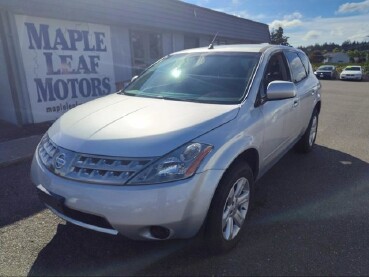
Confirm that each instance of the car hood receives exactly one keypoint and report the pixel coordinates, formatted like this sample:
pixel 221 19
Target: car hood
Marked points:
pixel 128 126
pixel 323 71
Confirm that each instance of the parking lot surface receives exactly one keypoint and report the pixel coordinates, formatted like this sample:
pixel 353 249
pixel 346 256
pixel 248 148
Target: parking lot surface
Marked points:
pixel 310 216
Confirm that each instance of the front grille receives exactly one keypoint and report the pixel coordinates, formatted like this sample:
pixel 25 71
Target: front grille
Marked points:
pixel 46 151
pixel 325 74
pixel 105 169
pixel 87 167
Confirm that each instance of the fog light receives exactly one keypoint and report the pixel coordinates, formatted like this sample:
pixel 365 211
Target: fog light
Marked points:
pixel 159 232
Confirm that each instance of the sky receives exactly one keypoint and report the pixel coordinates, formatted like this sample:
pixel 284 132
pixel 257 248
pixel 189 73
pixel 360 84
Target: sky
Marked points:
pixel 305 22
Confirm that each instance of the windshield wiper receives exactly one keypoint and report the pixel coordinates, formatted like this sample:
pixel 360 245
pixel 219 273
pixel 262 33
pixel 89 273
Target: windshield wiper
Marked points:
pixel 122 91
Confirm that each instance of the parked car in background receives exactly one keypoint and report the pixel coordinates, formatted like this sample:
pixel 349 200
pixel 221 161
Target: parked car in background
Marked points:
pixel 326 72
pixel 352 72
pixel 182 146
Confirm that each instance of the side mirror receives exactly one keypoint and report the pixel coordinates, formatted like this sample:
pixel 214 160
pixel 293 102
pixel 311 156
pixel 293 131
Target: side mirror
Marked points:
pixel 279 90
pixel 134 78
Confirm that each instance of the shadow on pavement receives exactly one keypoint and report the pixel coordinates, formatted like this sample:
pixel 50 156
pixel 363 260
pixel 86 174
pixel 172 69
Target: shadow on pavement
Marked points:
pixel 18 198
pixel 310 218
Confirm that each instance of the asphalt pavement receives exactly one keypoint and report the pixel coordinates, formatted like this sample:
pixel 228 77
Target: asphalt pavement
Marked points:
pixel 310 216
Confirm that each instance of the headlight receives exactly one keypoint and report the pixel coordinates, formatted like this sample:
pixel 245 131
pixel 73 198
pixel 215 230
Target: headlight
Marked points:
pixel 179 164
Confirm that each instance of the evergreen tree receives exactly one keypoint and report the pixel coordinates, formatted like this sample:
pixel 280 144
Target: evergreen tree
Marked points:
pixel 277 37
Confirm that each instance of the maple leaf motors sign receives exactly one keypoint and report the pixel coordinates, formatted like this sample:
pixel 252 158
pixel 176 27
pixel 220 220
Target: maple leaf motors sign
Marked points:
pixel 66 63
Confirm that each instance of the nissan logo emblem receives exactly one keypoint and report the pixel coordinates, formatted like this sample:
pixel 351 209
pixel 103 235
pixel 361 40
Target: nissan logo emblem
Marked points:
pixel 59 161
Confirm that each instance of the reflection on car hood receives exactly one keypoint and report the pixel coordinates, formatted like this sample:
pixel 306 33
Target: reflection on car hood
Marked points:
pixel 128 126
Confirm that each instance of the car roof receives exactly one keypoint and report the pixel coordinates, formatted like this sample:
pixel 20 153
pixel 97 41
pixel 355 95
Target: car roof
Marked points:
pixel 253 48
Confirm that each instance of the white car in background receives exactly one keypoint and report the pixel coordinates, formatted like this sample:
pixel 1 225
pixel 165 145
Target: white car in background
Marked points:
pixel 352 72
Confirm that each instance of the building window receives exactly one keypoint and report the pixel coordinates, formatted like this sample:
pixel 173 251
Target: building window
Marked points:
pixel 146 48
pixel 191 42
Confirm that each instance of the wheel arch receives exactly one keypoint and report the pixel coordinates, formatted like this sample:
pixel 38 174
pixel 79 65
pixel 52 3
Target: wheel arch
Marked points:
pixel 251 157
pixel 318 106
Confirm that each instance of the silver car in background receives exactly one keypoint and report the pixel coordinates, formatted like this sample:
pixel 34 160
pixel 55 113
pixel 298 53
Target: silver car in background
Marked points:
pixel 326 72
pixel 182 146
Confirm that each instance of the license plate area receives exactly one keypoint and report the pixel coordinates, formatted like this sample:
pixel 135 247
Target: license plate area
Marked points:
pixel 53 200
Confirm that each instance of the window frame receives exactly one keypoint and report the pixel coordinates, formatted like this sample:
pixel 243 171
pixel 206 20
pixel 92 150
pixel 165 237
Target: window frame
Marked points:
pixel 261 97
pixel 286 52
pixel 308 68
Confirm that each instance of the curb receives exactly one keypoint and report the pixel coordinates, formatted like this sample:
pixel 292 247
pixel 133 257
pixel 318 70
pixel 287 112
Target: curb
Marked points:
pixel 18 150
pixel 15 161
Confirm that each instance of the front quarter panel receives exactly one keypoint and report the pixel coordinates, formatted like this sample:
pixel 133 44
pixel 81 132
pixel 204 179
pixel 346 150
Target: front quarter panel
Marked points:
pixel 232 139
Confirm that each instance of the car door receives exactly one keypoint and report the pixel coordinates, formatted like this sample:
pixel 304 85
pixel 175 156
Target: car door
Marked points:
pixel 306 88
pixel 276 114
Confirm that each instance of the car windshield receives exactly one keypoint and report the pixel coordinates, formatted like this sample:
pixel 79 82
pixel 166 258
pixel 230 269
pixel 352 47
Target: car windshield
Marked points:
pixel 325 68
pixel 353 68
pixel 198 77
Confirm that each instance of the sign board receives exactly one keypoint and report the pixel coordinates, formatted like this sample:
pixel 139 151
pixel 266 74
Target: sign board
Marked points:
pixel 66 63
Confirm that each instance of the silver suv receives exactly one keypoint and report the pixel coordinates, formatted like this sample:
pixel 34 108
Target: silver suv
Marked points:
pixel 182 146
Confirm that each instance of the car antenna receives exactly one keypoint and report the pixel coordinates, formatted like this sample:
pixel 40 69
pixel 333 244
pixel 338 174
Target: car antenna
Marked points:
pixel 211 45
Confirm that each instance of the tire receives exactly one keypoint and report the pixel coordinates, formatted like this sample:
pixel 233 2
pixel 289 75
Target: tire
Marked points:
pixel 227 214
pixel 307 141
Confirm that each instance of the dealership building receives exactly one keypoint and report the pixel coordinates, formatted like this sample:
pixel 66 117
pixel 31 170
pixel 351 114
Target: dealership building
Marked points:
pixel 56 54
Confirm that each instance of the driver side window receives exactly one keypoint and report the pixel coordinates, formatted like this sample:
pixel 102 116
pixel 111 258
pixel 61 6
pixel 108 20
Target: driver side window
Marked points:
pixel 276 70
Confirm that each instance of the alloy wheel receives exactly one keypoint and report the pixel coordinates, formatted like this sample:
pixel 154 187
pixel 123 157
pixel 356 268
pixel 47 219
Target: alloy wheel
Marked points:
pixel 235 208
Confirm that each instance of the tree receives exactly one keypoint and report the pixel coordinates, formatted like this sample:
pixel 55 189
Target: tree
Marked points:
pixel 316 56
pixel 277 37
pixel 346 45
pixel 354 55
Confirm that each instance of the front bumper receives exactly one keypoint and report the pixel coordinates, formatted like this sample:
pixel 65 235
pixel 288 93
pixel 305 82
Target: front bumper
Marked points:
pixel 180 206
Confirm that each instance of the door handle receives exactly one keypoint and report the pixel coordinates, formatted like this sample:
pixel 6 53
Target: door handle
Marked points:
pixel 295 103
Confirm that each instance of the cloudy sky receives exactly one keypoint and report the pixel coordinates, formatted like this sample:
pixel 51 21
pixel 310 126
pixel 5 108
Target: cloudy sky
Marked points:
pixel 306 22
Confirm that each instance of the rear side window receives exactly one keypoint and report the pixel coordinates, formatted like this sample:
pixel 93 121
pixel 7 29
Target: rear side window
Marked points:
pixel 297 68
pixel 306 62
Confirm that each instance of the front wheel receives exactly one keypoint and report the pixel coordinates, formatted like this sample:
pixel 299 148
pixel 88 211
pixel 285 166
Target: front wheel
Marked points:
pixel 229 208
pixel 307 141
